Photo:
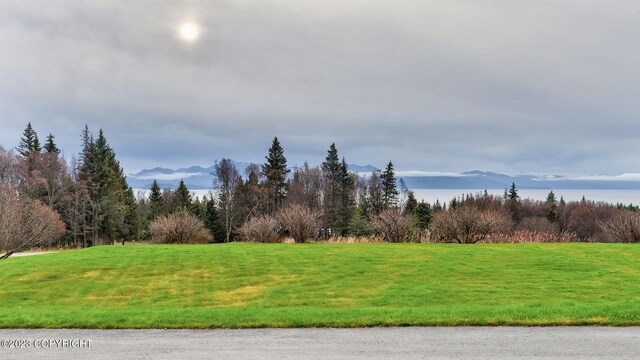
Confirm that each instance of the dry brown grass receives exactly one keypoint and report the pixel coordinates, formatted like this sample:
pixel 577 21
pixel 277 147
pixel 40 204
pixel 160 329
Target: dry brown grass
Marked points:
pixel 526 236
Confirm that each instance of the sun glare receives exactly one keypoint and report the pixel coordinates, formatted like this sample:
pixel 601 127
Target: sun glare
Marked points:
pixel 189 31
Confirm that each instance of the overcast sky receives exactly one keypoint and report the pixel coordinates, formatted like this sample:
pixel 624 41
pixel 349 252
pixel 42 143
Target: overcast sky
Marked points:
pixel 517 86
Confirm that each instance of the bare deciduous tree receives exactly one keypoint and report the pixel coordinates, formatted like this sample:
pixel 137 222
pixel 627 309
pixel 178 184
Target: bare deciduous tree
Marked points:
pixel 538 224
pixel 624 228
pixel 25 223
pixel 263 228
pixel 9 168
pixel 300 221
pixel 227 179
pixel 179 228
pixel 394 226
pixel 467 225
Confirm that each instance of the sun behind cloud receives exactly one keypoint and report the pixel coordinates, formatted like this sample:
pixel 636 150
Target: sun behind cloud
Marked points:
pixel 189 31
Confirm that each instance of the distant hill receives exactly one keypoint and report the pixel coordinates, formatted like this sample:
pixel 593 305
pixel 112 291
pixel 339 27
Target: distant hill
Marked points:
pixel 489 180
pixel 198 177
pixel 201 178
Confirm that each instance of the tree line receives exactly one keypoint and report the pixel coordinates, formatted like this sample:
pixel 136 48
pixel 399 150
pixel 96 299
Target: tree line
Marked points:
pixel 86 201
pixel 327 200
pixel 90 193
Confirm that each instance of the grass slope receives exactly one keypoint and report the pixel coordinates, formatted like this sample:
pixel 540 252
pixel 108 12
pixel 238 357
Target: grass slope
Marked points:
pixel 323 285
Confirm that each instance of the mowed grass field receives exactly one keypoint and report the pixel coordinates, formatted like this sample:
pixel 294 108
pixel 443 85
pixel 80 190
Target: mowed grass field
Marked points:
pixel 322 285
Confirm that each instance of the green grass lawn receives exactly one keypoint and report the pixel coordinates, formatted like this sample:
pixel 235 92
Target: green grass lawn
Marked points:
pixel 322 285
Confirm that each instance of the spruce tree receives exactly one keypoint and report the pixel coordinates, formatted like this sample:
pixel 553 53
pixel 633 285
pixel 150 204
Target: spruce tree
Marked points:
pixel 331 165
pixel 512 194
pixel 411 203
pixel 156 202
pixel 131 217
pixel 389 188
pixel 104 179
pixel 183 197
pixel 513 203
pixel 29 143
pixel 347 197
pixel 212 221
pixel 423 215
pixel 29 147
pixel 552 207
pixel 332 192
pixel 275 170
pixel 50 146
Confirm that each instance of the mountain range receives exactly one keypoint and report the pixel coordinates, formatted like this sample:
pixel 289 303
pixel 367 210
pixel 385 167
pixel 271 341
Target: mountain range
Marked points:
pixel 201 178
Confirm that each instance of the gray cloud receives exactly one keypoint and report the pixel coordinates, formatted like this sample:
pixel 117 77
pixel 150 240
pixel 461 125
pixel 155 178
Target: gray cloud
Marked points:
pixel 514 86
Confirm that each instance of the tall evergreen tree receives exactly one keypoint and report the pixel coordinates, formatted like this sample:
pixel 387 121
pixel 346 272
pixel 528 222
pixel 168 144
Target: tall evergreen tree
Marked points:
pixel 512 194
pixel 104 179
pixel 183 197
pixel 50 146
pixel 29 143
pixel 275 170
pixel 332 192
pixel 29 148
pixel 212 221
pixel 552 207
pixel 156 202
pixel 132 222
pixel 347 197
pixel 513 203
pixel 389 188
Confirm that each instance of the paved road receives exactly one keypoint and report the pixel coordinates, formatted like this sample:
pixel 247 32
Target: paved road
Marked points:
pixel 373 343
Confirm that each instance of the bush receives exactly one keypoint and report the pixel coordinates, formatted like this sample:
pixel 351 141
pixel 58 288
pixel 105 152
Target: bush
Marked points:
pixel 393 226
pixel 262 228
pixel 538 224
pixel 26 223
pixel 585 218
pixel 467 225
pixel 179 228
pixel 624 228
pixel 299 221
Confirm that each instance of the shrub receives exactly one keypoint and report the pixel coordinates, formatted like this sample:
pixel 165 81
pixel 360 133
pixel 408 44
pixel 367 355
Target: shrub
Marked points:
pixel 393 226
pixel 262 228
pixel 26 223
pixel 179 228
pixel 299 221
pixel 585 218
pixel 467 225
pixel 625 228
pixel 538 224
